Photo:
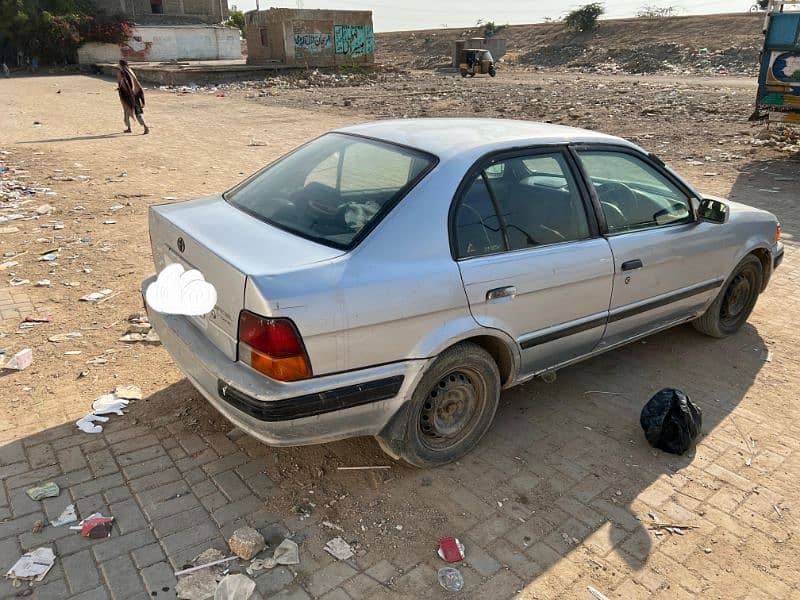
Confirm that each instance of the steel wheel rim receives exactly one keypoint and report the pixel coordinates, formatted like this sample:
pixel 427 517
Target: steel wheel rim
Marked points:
pixel 452 409
pixel 737 297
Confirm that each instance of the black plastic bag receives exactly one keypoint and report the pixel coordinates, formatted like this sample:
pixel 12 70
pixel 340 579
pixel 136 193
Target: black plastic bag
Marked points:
pixel 671 421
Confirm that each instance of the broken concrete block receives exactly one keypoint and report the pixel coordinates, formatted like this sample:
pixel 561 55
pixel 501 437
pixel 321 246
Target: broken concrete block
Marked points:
pixel 246 542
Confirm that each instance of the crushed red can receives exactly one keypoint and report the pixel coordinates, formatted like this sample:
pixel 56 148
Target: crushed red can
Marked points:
pixel 451 549
pixel 99 527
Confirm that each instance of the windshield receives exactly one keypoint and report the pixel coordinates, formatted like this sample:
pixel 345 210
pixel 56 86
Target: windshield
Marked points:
pixel 334 189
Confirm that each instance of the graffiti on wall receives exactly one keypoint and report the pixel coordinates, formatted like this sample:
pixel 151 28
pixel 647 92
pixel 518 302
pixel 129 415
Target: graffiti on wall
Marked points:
pixel 313 42
pixel 354 40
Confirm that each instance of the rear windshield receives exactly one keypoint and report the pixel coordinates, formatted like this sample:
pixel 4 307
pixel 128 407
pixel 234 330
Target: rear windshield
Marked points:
pixel 332 189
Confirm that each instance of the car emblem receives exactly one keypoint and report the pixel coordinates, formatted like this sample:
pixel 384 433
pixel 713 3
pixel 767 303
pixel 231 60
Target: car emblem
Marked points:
pixel 181 244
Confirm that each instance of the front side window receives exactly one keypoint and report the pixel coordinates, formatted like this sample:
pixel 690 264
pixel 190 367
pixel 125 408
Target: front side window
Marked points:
pixel 632 193
pixel 331 189
pixel 520 202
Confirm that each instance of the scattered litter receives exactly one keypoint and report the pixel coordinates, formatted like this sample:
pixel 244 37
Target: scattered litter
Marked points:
pixel 246 542
pixel 19 362
pixel 671 527
pixel 97 527
pixel 330 525
pixel 128 392
pixel 35 319
pixel 73 353
pixel 451 549
pixel 48 257
pixel 150 337
pixel 63 337
pixel 97 361
pixel 671 421
pixel 235 587
pixel 778 510
pixel 68 515
pixel 37 526
pixel 109 404
pixel 287 553
pixel 16 281
pixel 8 264
pixel 87 423
pixel 96 296
pixel 109 222
pixel 200 582
pixel 339 548
pixel 450 579
pixel 596 593
pixel 33 565
pixel 46 490
pixel 366 468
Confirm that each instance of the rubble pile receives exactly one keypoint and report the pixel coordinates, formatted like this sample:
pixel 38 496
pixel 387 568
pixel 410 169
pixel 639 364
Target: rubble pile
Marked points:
pixel 783 138
pixel 656 58
pixel 282 80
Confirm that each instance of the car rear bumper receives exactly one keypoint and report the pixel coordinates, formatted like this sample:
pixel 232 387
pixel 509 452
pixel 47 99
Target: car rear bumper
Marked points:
pixel 313 411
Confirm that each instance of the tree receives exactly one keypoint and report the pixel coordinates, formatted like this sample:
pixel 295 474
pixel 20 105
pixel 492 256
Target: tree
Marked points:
pixel 236 19
pixel 490 28
pixel 52 30
pixel 584 18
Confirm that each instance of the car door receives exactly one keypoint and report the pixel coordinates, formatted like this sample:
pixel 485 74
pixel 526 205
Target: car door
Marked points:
pixel 531 257
pixel 664 257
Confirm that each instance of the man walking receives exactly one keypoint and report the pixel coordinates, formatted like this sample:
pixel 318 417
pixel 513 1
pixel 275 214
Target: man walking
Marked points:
pixel 131 95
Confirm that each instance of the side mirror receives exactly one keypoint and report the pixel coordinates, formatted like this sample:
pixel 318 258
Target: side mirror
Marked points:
pixel 713 211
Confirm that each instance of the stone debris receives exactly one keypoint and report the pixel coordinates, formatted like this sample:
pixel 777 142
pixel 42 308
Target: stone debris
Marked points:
pixel 19 362
pixel 200 582
pixel 246 542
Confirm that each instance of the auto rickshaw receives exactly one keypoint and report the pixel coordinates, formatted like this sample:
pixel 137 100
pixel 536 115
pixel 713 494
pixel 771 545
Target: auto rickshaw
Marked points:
pixel 477 61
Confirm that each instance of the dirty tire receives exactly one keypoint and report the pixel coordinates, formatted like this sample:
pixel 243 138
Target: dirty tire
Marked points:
pixel 492 72
pixel 463 73
pixel 452 407
pixel 472 74
pixel 735 302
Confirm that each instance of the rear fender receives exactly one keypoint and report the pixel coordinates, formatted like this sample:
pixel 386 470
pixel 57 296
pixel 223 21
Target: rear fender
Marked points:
pixel 465 328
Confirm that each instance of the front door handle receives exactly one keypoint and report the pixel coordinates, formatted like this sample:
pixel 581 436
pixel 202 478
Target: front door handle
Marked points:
pixel 501 292
pixel 630 265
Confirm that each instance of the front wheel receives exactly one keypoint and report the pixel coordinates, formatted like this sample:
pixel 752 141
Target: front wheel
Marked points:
pixel 735 302
pixel 492 72
pixel 451 408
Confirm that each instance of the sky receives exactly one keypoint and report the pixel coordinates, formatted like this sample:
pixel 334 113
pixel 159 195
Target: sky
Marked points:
pixel 398 15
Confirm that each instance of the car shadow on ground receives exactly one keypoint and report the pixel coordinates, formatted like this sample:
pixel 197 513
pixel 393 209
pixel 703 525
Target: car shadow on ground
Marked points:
pixel 774 185
pixel 564 473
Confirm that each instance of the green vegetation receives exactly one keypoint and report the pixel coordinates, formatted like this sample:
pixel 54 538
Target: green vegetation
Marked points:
pixel 52 30
pixel 584 18
pixel 490 28
pixel 236 19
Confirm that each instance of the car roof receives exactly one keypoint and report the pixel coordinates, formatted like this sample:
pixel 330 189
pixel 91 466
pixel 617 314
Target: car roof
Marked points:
pixel 447 138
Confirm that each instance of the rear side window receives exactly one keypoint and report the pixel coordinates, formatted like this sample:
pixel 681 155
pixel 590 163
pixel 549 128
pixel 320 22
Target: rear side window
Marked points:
pixel 518 203
pixel 333 188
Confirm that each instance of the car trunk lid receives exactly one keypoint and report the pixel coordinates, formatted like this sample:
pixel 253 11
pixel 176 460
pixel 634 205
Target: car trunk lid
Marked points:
pixel 227 246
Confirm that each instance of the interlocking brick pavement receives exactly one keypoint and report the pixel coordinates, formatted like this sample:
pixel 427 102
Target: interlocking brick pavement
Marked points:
pixel 554 499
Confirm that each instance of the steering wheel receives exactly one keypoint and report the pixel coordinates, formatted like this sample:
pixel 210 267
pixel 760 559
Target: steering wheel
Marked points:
pixel 612 196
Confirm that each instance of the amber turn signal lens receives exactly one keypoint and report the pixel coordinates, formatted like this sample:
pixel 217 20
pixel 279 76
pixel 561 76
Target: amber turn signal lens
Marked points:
pixel 292 368
pixel 778 232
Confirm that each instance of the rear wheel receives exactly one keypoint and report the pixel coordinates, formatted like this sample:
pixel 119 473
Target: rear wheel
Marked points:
pixel 463 72
pixel 733 305
pixel 452 407
pixel 492 72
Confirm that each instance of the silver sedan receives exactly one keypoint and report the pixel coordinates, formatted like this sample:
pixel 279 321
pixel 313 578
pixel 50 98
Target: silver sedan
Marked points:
pixel 390 279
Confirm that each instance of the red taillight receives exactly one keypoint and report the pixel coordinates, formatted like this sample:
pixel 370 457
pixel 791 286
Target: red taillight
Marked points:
pixel 275 347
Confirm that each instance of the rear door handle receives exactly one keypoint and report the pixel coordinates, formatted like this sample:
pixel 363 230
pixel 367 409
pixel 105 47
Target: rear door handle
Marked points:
pixel 630 265
pixel 501 292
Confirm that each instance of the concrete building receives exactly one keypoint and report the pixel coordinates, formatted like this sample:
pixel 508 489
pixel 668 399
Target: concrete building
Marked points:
pixel 314 38
pixel 167 12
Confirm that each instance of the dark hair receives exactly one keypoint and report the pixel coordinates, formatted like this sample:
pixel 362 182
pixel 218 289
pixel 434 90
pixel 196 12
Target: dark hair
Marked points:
pixel 123 62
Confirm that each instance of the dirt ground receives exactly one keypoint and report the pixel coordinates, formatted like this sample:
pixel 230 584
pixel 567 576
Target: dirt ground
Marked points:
pixel 552 494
